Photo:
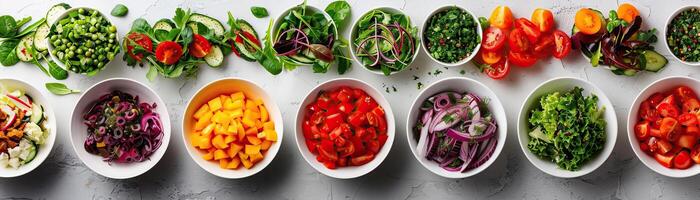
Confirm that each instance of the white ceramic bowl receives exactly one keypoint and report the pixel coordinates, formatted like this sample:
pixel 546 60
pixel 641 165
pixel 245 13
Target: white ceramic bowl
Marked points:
pixel 664 36
pixel 457 84
pixel 349 171
pixel 424 41
pixel 229 86
pixel 353 34
pixel 78 131
pixel 44 149
pixel 663 85
pixel 564 84
pixel 64 15
pixel 280 19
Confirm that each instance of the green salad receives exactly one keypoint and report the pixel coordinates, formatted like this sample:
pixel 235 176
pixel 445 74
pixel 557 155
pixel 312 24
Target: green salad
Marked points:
pixel 451 35
pixel 385 41
pixel 567 128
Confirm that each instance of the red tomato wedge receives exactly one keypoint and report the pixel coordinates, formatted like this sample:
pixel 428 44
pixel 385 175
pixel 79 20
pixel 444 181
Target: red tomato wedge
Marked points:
pixel 521 59
pixel 682 160
pixel 168 52
pixel 531 30
pixel 498 71
pixel 562 44
pixel 494 39
pixel 518 42
pixel 139 39
pixel 664 160
pixel 199 47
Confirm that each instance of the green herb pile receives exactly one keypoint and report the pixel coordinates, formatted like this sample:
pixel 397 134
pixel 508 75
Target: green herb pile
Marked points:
pixel 683 35
pixel 567 128
pixel 451 35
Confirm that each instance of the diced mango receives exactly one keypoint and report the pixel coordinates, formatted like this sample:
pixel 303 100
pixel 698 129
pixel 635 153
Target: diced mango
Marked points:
pixel 250 105
pixel 234 164
pixel 223 163
pixel 201 111
pixel 238 96
pixel 254 158
pixel 215 104
pixel 233 128
pixel 224 97
pixel 203 121
pixel 243 156
pixel 236 113
pixel 241 133
pixel 248 122
pixel 258 102
pixel 208 156
pixel 266 145
pixel 252 149
pixel 247 164
pixel 264 116
pixel 229 139
pixel 251 131
pixel 234 149
pixel 269 126
pixel 221 118
pixel 209 129
pixel 271 135
pixel 254 140
pixel 220 130
pixel 228 104
pixel 220 154
pixel 219 142
pixel 204 142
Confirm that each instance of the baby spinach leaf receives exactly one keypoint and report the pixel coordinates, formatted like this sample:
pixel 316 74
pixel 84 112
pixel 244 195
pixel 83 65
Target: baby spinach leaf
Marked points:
pixel 60 89
pixel 259 12
pixel 8 57
pixel 120 10
pixel 8 26
pixel 339 11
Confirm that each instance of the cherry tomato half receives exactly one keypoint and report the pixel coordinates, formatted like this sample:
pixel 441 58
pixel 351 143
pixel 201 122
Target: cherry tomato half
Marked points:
pixel 530 29
pixel 521 59
pixel 139 39
pixel 499 70
pixel 494 39
pixel 491 57
pixel 517 41
pixel 684 92
pixel 562 44
pixel 199 47
pixel 501 17
pixel 544 19
pixel 168 52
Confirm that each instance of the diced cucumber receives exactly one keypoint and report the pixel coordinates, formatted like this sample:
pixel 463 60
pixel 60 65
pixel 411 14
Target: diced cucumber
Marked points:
pixel 164 24
pixel 23 50
pixel 40 37
pixel 630 72
pixel 215 57
pixel 213 24
pixel 55 12
pixel 37 113
pixel 245 26
pixel 655 61
pixel 29 151
pixel 244 53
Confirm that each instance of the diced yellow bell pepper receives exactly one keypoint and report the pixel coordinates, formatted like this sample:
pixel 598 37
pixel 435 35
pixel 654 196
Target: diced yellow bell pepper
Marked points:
pixel 236 113
pixel 201 111
pixel 271 135
pixel 218 142
pixel 248 122
pixel 254 140
pixel 203 121
pixel 228 104
pixel 264 116
pixel 251 131
pixel 234 164
pixel 233 128
pixel 215 104
pixel 236 104
pixel 251 105
pixel 220 154
pixel 247 164
pixel 220 130
pixel 229 138
pixel 234 149
pixel 266 145
pixel 242 155
pixel 254 158
pixel 208 156
pixel 238 96
pixel 269 126
pixel 258 102
pixel 100 144
pixel 261 135
pixel 252 149
pixel 209 129
pixel 204 142
pixel 223 163
pixel 224 97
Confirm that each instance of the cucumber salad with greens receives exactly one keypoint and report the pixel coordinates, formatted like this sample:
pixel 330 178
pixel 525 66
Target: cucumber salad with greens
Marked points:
pixel 385 41
pixel 23 128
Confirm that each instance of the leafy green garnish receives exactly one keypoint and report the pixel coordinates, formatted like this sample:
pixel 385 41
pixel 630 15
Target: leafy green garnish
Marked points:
pixel 119 10
pixel 339 12
pixel 259 12
pixel 60 89
pixel 567 128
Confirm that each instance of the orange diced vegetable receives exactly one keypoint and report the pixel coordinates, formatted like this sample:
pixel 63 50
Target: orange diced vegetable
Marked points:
pixel 218 142
pixel 229 139
pixel 234 149
pixel 234 164
pixel 215 104
pixel 201 111
pixel 203 121
pixel 220 154
pixel 269 126
pixel 247 164
pixel 254 158
pixel 208 156
pixel 223 163
pixel 238 96
pixel 264 116
pixel 252 149
pixel 266 145
pixel 254 140
pixel 271 135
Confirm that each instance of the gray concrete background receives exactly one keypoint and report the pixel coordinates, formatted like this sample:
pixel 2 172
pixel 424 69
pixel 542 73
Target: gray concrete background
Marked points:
pixel 63 176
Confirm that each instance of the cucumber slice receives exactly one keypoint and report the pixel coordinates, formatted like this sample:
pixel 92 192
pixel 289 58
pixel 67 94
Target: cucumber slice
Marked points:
pixel 574 30
pixel 245 54
pixel 23 50
pixel 245 26
pixel 193 26
pixel 213 24
pixel 164 24
pixel 55 12
pixel 215 57
pixel 655 61
pixel 40 37
pixel 31 150
pixel 301 59
pixel 37 113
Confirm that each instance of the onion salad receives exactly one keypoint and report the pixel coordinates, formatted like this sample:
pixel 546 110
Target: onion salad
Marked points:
pixel 385 41
pixel 122 129
pixel 23 128
pixel 456 130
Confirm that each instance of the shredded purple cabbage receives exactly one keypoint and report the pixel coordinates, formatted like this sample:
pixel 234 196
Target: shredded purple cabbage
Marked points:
pixel 121 129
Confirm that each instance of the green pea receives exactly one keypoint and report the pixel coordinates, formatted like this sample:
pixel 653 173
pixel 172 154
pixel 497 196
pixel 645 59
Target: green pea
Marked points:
pixel 81 11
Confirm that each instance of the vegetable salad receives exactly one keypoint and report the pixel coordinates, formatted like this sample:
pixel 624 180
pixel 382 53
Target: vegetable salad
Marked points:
pixel 451 35
pixel 385 41
pixel 23 128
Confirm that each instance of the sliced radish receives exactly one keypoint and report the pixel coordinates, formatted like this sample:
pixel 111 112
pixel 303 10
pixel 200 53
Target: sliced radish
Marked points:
pixel 21 104
pixel 11 117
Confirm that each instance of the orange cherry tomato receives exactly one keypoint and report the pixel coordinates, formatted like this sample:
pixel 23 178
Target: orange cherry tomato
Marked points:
pixel 544 19
pixel 491 57
pixel 501 17
pixel 627 12
pixel 588 21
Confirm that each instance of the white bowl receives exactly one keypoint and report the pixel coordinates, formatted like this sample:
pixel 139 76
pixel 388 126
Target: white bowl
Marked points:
pixel 280 18
pixel 479 32
pixel 347 172
pixel 564 84
pixel 662 85
pixel 664 36
pixel 78 129
pixel 51 47
pixel 353 47
pixel 45 149
pixel 229 86
pixel 457 84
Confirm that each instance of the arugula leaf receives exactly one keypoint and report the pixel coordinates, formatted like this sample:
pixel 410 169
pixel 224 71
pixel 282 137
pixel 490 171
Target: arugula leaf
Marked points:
pixel 8 26
pixel 259 12
pixel 339 12
pixel 8 57
pixel 60 89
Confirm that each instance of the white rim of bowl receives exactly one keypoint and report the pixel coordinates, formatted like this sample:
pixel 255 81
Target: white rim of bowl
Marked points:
pixel 281 16
pixel 603 152
pixel 62 16
pixel 388 145
pixel 354 27
pixel 668 22
pixel 163 146
pixel 475 171
pixel 52 131
pixel 478 31
pixel 280 135
pixel 632 120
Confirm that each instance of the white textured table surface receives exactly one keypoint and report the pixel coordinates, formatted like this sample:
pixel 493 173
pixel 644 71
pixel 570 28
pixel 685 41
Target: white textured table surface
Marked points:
pixel 63 176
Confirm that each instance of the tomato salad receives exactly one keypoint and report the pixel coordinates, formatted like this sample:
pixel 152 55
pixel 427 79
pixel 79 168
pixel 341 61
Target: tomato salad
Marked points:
pixel 668 127
pixel 520 42
pixel 344 127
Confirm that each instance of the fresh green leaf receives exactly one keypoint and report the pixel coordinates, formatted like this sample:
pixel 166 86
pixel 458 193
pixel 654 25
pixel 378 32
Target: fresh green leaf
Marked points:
pixel 181 17
pixel 259 12
pixel 120 10
pixel 339 12
pixel 140 25
pixel 8 57
pixel 152 73
pixel 57 72
pixel 185 37
pixel 31 28
pixel 23 21
pixel 60 89
pixel 8 26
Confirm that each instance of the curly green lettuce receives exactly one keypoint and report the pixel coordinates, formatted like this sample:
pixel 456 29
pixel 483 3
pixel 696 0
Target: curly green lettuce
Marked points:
pixel 567 128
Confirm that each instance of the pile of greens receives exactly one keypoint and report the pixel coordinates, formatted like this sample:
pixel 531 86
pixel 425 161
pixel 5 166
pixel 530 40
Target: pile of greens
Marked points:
pixel 305 37
pixel 567 128
pixel 385 41
pixel 451 35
